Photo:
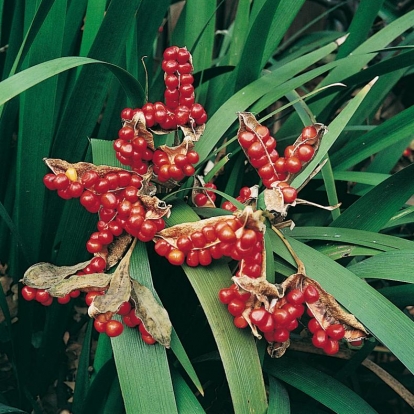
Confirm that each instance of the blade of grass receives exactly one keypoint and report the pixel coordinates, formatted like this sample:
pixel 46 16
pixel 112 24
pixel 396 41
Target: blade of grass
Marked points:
pixel 278 397
pixel 369 239
pixel 393 265
pixel 82 377
pixel 334 129
pixel 372 211
pixel 320 386
pixel 187 403
pixel 246 397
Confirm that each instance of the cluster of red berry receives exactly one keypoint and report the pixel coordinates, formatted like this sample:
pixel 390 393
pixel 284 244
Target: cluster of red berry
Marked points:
pixel 42 296
pixel 260 148
pixel 226 237
pixel 277 325
pixel 104 323
pixel 244 194
pixel 182 165
pixel 201 198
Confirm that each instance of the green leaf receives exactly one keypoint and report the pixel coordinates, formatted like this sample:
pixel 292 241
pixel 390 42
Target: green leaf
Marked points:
pixel 373 210
pixel 24 80
pixel 153 391
pixel 334 130
pixel 278 397
pixel 393 265
pixel 82 377
pixel 373 240
pixel 236 347
pixel 186 400
pixel 320 386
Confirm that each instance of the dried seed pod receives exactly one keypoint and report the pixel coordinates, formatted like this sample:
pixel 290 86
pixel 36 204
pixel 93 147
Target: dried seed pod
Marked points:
pixel 119 290
pixel 153 316
pixel 45 275
pixel 61 166
pixel 326 309
pixel 93 281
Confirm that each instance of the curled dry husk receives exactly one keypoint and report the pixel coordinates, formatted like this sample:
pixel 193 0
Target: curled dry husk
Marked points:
pixel 59 166
pixel 153 316
pixel 61 280
pixel 45 275
pixel 119 290
pixel 252 220
pixel 138 124
pixel 89 282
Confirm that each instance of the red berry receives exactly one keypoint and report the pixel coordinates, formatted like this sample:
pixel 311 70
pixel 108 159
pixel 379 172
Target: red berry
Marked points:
pixel 48 181
pixel 29 293
pixel 169 66
pixel 313 325
pixel 331 347
pixel 281 317
pixel 193 157
pixel 61 182
pixel 335 331
pixel 226 295
pixel 246 139
pixel 176 257
pixel 258 315
pixel 293 165
pixel 309 133
pixel 289 194
pixel 236 307
pixel 148 339
pixel 171 52
pixel 240 322
pixel 305 152
pixel 311 294
pixel 91 295
pixel 200 199
pixel 42 295
pixel 281 335
pixel 63 300
pixel 320 338
pixel 124 309
pixel 295 296
pixel 113 328
pixel 183 55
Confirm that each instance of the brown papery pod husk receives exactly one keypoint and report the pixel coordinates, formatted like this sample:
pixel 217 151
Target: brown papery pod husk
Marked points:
pixel 139 125
pixel 326 310
pixel 45 275
pixel 61 166
pixel 193 132
pixel 92 281
pixel 275 207
pixel 119 290
pixel 171 234
pixel 247 217
pixel 116 250
pixel 153 316
pixel 185 146
pixel 321 129
pixel 154 207
pixel 199 182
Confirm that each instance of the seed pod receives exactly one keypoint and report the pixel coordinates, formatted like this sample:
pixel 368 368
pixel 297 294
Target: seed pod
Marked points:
pixel 45 275
pixel 153 316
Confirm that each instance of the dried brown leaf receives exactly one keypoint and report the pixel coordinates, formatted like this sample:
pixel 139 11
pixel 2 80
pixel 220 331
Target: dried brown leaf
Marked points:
pixel 117 249
pixel 139 125
pixel 153 316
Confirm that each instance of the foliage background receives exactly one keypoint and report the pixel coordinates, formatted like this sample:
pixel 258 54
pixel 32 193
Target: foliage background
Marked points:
pixel 257 56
